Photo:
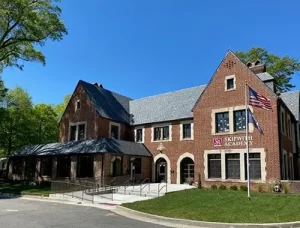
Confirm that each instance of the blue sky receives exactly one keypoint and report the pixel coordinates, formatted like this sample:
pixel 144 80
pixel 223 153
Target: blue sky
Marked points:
pixel 141 48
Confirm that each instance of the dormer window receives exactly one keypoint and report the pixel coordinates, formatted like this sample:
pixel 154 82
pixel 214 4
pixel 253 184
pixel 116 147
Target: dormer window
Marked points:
pixel 78 105
pixel 114 130
pixel 230 83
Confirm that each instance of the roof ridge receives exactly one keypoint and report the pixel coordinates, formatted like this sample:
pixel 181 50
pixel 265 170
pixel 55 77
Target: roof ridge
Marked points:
pixel 291 91
pixel 167 92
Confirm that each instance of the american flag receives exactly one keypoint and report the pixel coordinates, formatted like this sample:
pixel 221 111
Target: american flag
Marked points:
pixel 253 120
pixel 259 100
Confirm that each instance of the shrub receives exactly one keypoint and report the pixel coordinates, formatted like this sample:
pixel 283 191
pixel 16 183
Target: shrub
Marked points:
pixel 286 188
pixel 260 188
pixel 233 187
pixel 222 187
pixel 243 188
pixel 214 187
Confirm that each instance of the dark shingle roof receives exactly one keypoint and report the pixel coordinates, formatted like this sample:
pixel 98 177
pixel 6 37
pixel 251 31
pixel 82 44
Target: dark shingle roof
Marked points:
pixel 292 99
pixel 165 107
pixel 108 104
pixel 85 147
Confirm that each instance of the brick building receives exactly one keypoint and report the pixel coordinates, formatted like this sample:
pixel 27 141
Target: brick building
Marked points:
pixel 176 137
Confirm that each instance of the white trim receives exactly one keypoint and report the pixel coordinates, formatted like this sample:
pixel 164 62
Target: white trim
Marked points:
pixel 230 111
pixel 161 125
pixel 143 134
pixel 77 129
pixel 111 123
pixel 192 130
pixel 181 157
pixel 168 167
pixel 234 82
pixel 242 152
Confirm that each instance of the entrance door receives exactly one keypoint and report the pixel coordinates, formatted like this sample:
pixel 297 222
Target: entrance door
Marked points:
pixel 187 170
pixel 161 170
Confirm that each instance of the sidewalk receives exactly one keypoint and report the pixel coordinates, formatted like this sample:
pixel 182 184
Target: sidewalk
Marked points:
pixel 184 223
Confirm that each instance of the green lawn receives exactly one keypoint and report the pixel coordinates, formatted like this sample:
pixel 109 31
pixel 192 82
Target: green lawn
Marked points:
pixel 19 188
pixel 223 206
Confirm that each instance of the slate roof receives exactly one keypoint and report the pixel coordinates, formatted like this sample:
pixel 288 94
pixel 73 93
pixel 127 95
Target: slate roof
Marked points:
pixel 85 147
pixel 165 107
pixel 107 103
pixel 265 76
pixel 292 99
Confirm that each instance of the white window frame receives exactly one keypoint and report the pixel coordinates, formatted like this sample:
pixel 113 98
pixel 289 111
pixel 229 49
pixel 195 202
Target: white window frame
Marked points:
pixel 192 129
pixel 77 101
pixel 161 125
pixel 234 82
pixel 77 129
pixel 230 110
pixel 114 124
pixel 143 134
pixel 223 153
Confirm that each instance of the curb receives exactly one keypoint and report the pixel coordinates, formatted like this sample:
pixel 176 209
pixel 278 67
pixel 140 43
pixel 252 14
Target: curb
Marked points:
pixel 174 222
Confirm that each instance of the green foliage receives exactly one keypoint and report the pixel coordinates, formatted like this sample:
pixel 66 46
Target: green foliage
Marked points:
pixel 260 188
pixel 25 25
pixel 3 90
pixel 222 187
pixel 243 188
pixel 214 187
pixel 286 188
pixel 233 187
pixel 281 68
pixel 60 108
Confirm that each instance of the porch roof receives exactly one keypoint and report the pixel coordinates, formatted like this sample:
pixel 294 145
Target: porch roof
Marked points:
pixel 104 145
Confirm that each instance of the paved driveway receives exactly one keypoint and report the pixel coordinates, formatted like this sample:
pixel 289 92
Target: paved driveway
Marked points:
pixel 22 213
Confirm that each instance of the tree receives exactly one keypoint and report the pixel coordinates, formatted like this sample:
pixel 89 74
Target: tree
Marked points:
pixel 60 108
pixel 3 90
pixel 45 125
pixel 281 68
pixel 25 25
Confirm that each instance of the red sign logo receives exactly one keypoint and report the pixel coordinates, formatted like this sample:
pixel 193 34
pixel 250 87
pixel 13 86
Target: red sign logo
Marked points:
pixel 217 141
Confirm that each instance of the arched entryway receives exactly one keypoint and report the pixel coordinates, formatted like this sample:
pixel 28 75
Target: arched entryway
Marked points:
pixel 116 166
pixel 185 168
pixel 161 170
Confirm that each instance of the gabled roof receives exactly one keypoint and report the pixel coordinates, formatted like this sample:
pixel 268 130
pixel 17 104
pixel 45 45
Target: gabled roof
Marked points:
pixel 104 145
pixel 107 103
pixel 165 107
pixel 292 99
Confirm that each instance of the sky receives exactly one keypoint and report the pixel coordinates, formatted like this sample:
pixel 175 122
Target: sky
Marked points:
pixel 140 48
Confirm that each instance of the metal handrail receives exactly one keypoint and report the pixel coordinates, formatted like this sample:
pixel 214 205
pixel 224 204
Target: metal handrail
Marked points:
pixel 127 181
pixel 159 189
pixel 142 187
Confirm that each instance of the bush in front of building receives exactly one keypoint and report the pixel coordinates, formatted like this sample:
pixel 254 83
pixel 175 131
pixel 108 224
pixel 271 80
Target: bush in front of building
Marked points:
pixel 213 187
pixel 233 187
pixel 222 187
pixel 243 188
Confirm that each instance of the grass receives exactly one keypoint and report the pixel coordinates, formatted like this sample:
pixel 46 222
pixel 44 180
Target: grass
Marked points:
pixel 19 188
pixel 223 206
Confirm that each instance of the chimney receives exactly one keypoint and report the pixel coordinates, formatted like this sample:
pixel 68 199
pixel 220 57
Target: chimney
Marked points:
pixel 257 67
pixel 98 85
pixel 95 84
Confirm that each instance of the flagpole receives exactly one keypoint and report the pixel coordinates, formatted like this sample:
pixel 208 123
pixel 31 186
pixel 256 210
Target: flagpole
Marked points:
pixel 247 139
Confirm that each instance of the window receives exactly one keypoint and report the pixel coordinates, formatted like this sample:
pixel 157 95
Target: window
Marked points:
pixel 222 122
pixel 139 135
pixel 63 166
pixel 161 133
pixel 116 166
pixel 255 166
pixel 283 122
pixel 230 83
pixel 240 120
pixel 233 166
pixel 77 131
pixel 187 130
pixel 85 166
pixel 46 166
pixel 30 167
pixel 78 105
pixel 17 166
pixel 114 131
pixel 214 166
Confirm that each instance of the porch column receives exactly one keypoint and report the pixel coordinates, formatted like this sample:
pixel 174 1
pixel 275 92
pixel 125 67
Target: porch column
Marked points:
pixel 23 176
pixel 54 168
pixel 38 170
pixel 10 169
pixel 73 173
pixel 98 166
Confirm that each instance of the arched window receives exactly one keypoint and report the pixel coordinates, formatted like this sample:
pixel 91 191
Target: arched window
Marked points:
pixel 116 166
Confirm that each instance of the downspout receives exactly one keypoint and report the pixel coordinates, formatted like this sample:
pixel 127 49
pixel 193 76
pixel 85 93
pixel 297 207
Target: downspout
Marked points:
pixel 279 136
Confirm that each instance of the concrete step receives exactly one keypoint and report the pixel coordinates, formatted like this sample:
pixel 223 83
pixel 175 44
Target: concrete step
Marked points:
pixel 138 193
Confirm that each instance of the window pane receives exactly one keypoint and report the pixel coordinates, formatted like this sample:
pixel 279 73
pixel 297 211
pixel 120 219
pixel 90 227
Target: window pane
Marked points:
pixel 81 132
pixel 157 133
pixel 222 122
pixel 214 166
pixel 166 132
pixel 186 130
pixel 114 131
pixel 240 120
pixel 230 83
pixel 232 166
pixel 139 135
pixel 255 166
pixel 78 104
pixel 73 133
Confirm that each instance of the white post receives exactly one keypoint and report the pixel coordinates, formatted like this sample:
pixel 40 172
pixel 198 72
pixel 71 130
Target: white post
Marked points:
pixel 247 140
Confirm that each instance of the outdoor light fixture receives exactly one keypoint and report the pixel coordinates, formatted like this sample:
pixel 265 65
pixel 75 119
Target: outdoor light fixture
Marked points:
pixel 160 148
